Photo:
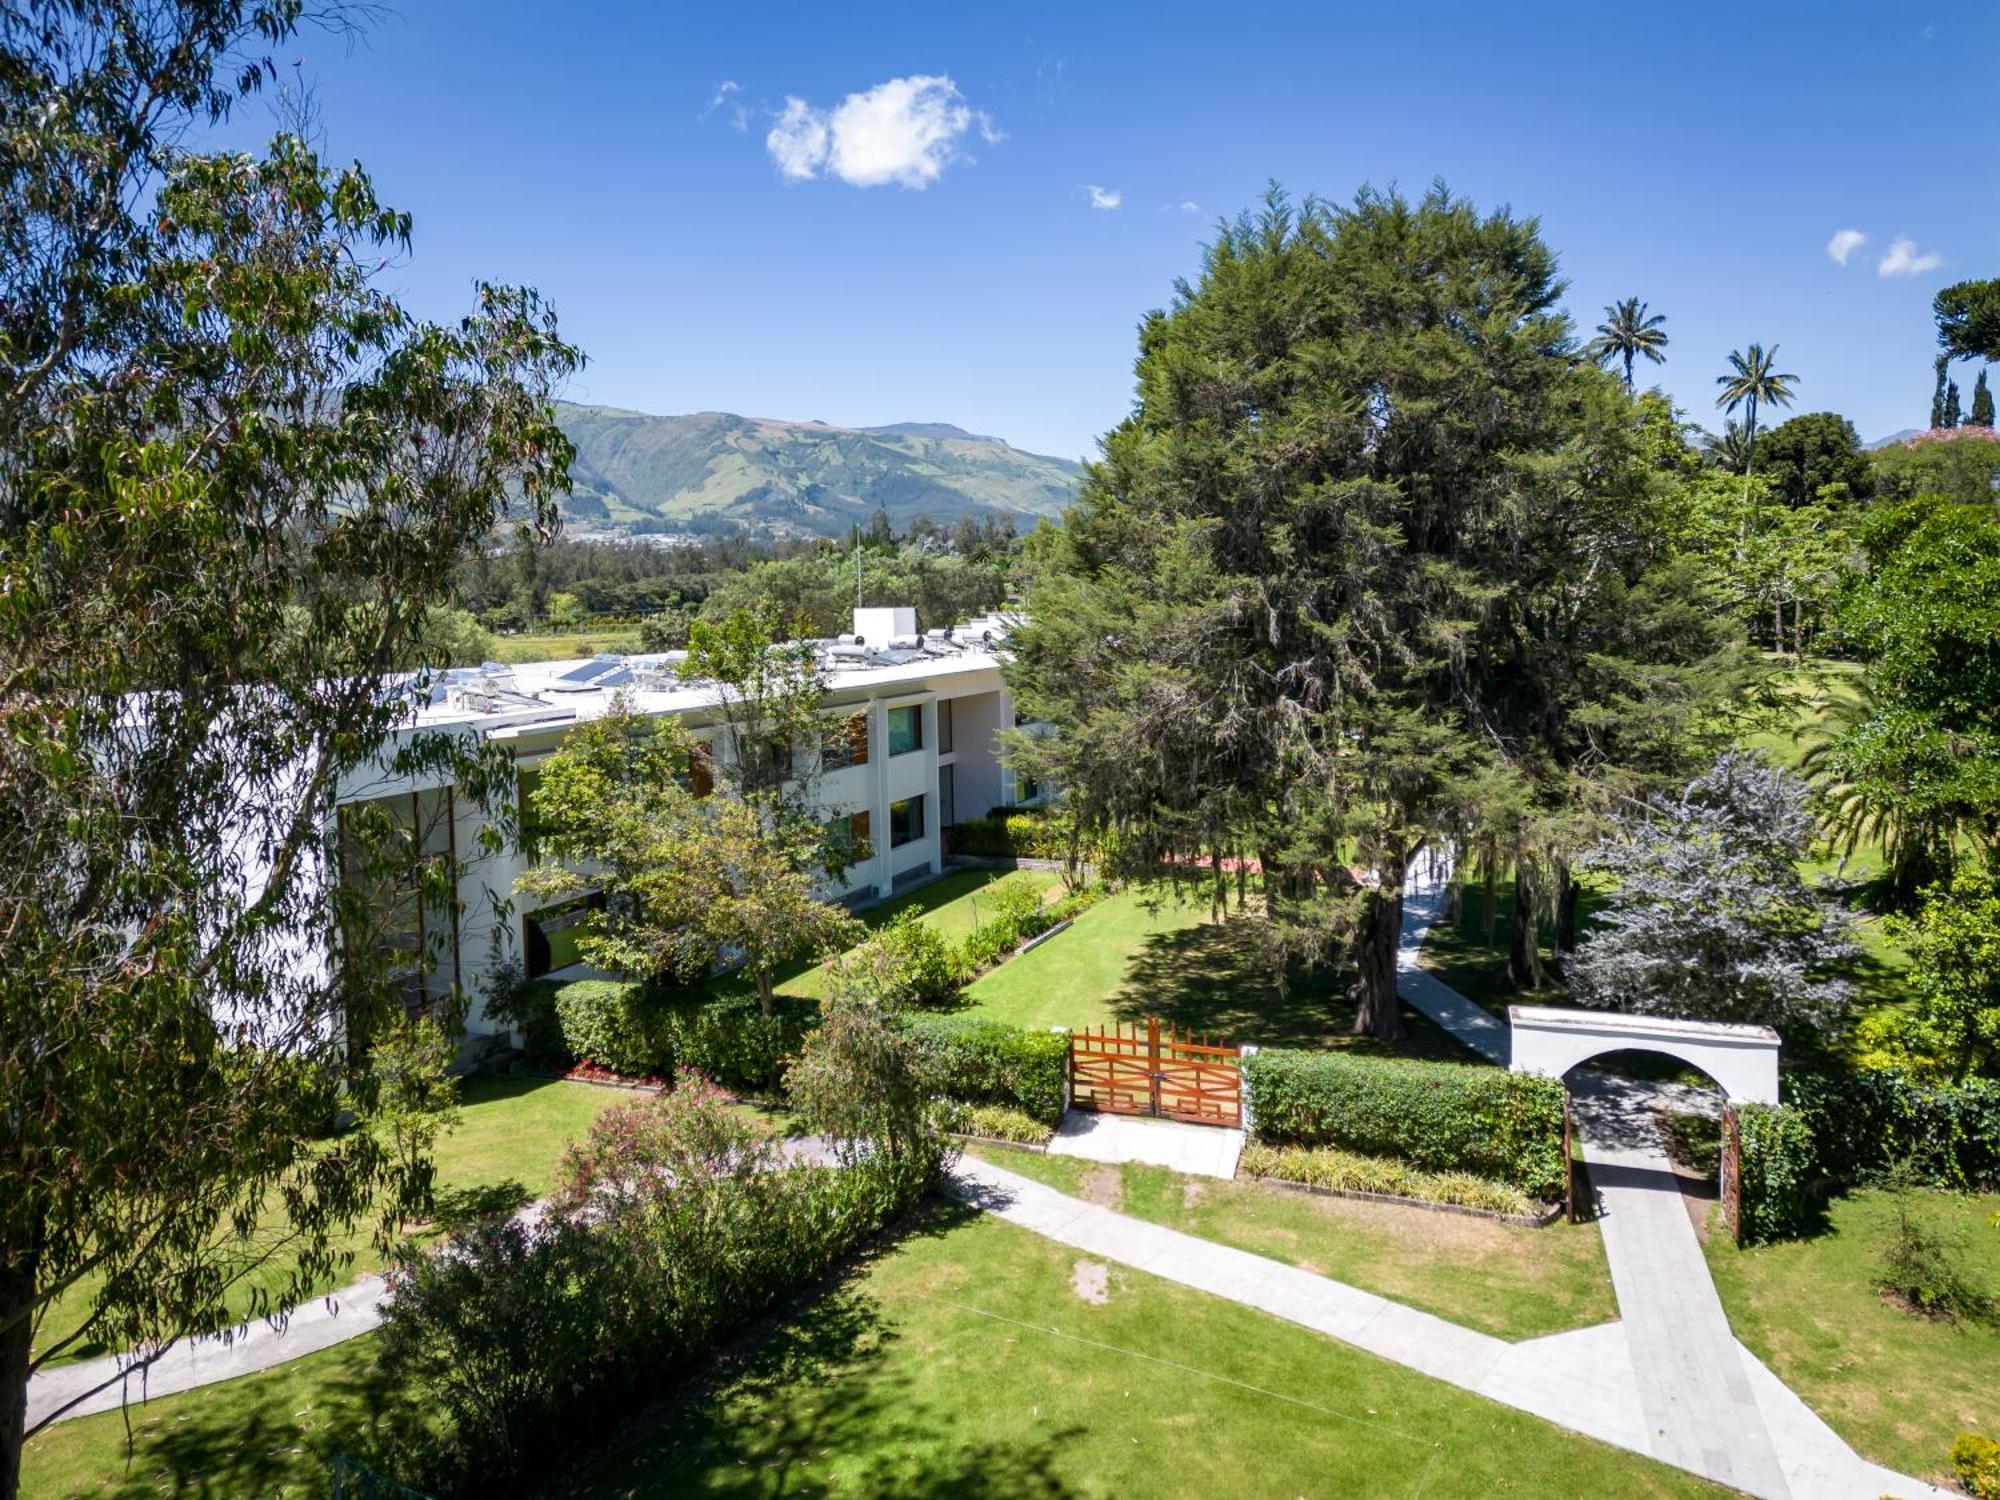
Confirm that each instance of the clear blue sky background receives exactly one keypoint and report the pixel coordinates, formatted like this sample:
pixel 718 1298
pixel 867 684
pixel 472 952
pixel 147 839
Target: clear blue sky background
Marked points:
pixel 1697 156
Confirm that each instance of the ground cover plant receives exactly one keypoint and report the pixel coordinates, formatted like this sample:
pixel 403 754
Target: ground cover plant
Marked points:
pixel 1349 1172
pixel 1899 1388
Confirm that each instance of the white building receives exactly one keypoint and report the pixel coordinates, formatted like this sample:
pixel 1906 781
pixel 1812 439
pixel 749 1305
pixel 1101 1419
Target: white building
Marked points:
pixel 909 751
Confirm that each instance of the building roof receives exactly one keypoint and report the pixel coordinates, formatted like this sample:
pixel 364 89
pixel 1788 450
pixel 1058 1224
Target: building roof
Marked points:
pixel 505 700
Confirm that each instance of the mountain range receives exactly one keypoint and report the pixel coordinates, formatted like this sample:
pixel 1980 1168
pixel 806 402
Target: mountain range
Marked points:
pixel 715 471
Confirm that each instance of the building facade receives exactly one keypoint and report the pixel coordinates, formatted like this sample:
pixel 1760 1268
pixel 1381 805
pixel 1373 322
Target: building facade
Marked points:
pixel 908 751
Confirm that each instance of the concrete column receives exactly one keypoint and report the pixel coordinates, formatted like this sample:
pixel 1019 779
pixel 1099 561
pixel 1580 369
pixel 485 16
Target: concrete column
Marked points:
pixel 878 795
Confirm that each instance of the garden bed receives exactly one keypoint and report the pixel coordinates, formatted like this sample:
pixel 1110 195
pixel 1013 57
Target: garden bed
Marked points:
pixel 1542 1220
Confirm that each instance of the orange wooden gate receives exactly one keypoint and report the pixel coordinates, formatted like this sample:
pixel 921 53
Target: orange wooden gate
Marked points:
pixel 1153 1070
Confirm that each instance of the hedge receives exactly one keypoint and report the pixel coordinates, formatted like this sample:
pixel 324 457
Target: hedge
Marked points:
pixel 1015 835
pixel 987 1062
pixel 641 1031
pixel 1442 1117
pixel 1868 1123
pixel 1777 1169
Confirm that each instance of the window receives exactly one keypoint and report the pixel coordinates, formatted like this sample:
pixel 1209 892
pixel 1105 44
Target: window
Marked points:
pixel 847 839
pixel 844 743
pixel 1030 788
pixel 767 761
pixel 549 936
pixel 906 821
pixel 532 827
pixel 944 726
pixel 399 855
pixel 906 729
pixel 947 796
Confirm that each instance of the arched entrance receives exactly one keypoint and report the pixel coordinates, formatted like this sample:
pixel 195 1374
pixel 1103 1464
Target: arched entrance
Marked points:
pixel 1743 1060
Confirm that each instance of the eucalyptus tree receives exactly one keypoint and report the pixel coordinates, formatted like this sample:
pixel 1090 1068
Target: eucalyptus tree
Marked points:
pixel 1376 562
pixel 235 478
pixel 1627 332
pixel 1753 381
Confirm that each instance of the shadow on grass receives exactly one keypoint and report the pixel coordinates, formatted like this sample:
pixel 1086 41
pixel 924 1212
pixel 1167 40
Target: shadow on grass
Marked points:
pixel 459 1209
pixel 814 1392
pixel 1219 979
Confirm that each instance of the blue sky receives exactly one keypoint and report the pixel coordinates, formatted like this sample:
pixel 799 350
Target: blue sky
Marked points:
pixel 937 252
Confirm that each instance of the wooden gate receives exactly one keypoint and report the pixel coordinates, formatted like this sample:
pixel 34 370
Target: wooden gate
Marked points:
pixel 1152 1070
pixel 1732 1173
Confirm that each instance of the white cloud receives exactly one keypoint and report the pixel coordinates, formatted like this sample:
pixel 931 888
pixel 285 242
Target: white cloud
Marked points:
pixel 1189 206
pixel 1904 259
pixel 1103 197
pixel 723 90
pixel 1844 243
pixel 905 131
pixel 797 143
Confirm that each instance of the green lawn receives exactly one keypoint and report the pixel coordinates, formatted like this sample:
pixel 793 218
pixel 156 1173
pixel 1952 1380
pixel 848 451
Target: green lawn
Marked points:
pixel 979 1359
pixel 561 645
pixel 972 1358
pixel 1897 1387
pixel 1142 953
pixel 1511 1282
pixel 502 1154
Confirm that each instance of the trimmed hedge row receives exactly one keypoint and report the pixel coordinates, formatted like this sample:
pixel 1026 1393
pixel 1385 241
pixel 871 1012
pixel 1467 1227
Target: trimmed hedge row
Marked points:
pixel 641 1031
pixel 988 1062
pixel 1015 835
pixel 1443 1117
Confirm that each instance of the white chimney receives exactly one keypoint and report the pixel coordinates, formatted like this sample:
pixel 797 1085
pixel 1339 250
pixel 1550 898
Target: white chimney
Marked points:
pixel 879 626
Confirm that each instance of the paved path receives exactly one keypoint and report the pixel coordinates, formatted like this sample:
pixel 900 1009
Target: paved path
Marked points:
pixel 1199 1150
pixel 1426 898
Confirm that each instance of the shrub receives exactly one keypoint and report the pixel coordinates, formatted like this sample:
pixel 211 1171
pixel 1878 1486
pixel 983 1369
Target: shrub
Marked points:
pixel 1779 1164
pixel 1442 1117
pixel 986 1062
pixel 616 1024
pixel 1867 1124
pixel 1019 914
pixel 1977 1462
pixel 1346 1172
pixel 920 960
pixel 527 1007
pixel 1000 1122
pixel 1923 1268
pixel 1001 834
pixel 728 1037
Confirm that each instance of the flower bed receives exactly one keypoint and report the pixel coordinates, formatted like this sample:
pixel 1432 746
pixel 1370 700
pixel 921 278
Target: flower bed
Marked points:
pixel 1375 1179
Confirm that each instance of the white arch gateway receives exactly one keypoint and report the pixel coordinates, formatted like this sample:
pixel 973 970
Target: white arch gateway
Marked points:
pixel 1742 1059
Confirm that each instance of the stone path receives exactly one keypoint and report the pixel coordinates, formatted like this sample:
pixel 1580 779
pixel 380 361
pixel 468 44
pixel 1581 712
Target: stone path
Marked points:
pixel 1198 1150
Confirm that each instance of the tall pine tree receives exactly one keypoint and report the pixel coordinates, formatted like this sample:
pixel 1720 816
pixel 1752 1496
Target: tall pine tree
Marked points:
pixel 1982 403
pixel 1372 566
pixel 1951 408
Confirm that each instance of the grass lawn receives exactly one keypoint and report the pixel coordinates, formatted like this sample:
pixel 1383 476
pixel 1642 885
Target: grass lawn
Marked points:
pixel 1897 1387
pixel 503 1153
pixel 977 1358
pixel 561 645
pixel 1511 1282
pixel 1141 952
pixel 972 1358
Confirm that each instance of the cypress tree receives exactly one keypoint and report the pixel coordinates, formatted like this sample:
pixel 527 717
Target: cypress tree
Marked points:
pixel 1951 412
pixel 1982 403
pixel 1937 394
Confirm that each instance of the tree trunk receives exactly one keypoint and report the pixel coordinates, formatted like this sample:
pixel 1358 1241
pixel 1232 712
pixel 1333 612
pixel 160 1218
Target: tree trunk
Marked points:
pixel 766 991
pixel 1377 1011
pixel 1524 968
pixel 17 1299
pixel 1569 898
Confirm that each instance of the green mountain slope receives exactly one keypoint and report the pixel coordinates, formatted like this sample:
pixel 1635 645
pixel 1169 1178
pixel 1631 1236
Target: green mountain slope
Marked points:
pixel 712 469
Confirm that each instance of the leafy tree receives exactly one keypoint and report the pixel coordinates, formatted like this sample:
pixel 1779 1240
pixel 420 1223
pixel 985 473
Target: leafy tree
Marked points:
pixel 1751 382
pixel 1968 320
pixel 1982 403
pixel 210 417
pixel 562 611
pixel 1961 464
pixel 770 694
pixel 1919 756
pixel 450 637
pixel 416 1100
pixel 1373 548
pixel 1627 332
pixel 813 594
pixel 1954 946
pixel 1806 455
pixel 688 880
pixel 862 1080
pixel 1709 917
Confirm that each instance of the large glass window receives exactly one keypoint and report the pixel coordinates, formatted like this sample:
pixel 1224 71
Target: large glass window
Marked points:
pixel 944 726
pixel 947 796
pixel 550 935
pixel 399 854
pixel 906 821
pixel 906 729
pixel 847 839
pixel 844 743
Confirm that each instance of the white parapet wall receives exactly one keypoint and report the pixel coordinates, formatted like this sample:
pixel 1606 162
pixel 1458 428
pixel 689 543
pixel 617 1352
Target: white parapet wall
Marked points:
pixel 1743 1060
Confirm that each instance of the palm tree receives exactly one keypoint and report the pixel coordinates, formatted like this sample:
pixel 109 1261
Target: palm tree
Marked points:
pixel 1752 380
pixel 1727 450
pixel 1626 332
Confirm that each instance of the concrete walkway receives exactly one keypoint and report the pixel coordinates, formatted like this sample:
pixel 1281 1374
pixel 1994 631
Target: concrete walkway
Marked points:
pixel 1426 898
pixel 1198 1150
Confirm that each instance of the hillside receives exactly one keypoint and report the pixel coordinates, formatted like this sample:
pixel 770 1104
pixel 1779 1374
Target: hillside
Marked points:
pixel 713 470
